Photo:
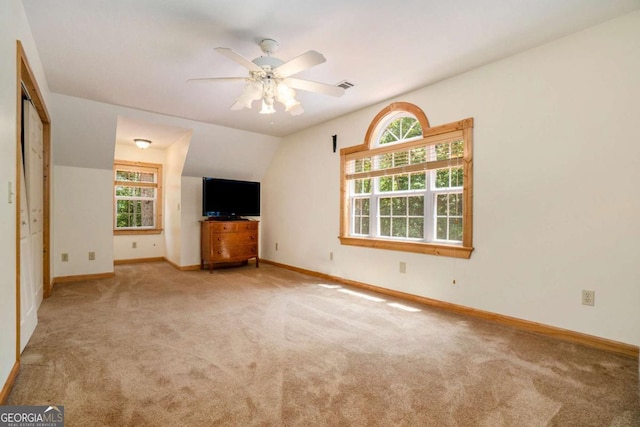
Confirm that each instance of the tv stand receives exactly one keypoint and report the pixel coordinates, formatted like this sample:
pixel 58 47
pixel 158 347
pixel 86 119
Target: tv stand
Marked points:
pixel 227 241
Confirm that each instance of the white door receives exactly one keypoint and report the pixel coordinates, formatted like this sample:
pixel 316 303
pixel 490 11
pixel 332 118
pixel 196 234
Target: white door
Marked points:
pixel 31 242
pixel 28 306
pixel 34 175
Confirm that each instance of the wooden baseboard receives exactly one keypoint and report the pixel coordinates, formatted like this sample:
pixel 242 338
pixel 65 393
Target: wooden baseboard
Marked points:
pixel 539 328
pixel 8 385
pixel 137 260
pixel 81 277
pixel 183 267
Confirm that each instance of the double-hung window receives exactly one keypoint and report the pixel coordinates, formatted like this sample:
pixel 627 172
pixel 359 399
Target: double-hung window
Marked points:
pixel 137 197
pixel 409 186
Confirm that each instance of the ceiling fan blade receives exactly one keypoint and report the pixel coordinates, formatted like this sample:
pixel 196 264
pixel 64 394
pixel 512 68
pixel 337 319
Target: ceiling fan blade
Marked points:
pixel 299 63
pixel 236 57
pixel 218 79
pixel 310 86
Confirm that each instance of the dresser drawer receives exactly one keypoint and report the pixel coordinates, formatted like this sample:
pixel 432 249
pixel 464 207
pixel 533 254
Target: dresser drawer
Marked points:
pixel 231 226
pixel 239 238
pixel 230 253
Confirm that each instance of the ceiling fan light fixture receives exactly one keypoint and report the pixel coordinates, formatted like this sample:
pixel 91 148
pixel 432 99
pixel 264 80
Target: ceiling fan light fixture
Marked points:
pixel 267 108
pixel 294 108
pixel 142 143
pixel 252 91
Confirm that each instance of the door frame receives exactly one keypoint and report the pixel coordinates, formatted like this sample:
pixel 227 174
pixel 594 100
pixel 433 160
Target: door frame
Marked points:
pixel 26 82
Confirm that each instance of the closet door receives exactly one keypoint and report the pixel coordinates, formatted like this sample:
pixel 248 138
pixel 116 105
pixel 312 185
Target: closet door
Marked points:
pixel 32 244
pixel 28 293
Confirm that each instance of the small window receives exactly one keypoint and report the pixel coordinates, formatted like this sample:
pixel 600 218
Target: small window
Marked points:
pixel 137 197
pixel 409 186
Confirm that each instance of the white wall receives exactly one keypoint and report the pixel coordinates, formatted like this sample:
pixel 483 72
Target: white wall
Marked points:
pixel 13 26
pixel 83 219
pixel 176 155
pixel 191 205
pixel 555 202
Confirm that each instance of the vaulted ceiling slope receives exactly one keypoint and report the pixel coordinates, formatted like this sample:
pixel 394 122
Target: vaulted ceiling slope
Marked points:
pixel 140 53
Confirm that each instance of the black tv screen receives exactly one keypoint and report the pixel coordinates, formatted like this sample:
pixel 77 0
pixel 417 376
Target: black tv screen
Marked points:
pixel 226 198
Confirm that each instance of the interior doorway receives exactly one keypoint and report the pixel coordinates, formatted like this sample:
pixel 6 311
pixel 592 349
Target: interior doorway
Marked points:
pixel 27 87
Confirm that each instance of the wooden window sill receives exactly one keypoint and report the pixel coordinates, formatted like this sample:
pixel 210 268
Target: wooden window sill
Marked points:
pixel 417 247
pixel 134 232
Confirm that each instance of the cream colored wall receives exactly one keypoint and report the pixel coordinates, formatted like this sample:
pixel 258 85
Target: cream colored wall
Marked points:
pixel 176 155
pixel 83 216
pixel 555 198
pixel 13 26
pixel 191 216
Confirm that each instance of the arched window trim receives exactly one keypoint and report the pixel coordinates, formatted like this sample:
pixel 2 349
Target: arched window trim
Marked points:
pixel 392 111
pixel 431 135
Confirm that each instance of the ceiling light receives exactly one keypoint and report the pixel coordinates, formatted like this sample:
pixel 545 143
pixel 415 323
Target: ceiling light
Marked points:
pixel 269 89
pixel 142 143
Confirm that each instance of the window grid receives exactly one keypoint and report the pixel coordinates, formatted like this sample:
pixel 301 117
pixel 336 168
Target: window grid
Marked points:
pixel 137 193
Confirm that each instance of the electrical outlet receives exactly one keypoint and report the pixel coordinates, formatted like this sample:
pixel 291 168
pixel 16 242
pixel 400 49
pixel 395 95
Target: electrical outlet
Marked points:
pixel 588 297
pixel 65 257
pixel 276 246
pixel 92 256
pixel 330 256
pixel 403 267
pixel 134 245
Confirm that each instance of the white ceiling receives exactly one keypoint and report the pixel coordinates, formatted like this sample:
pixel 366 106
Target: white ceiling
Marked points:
pixel 140 53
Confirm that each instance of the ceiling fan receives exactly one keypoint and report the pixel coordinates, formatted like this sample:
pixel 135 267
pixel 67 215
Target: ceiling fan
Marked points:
pixel 270 79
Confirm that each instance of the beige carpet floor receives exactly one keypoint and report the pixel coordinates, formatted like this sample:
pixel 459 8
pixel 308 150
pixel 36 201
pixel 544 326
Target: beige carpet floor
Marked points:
pixel 261 347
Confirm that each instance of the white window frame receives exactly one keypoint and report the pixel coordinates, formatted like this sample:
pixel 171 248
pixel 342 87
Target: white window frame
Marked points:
pixel 156 169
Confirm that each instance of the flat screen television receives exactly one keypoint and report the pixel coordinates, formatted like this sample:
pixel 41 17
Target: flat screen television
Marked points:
pixel 230 199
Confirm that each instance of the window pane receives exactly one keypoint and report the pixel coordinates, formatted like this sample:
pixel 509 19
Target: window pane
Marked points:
pixel 365 206
pixel 356 225
pixel 399 227
pixel 418 181
pixel 399 206
pixel 385 183
pixel 385 226
pixel 401 158
pixel 126 191
pixel 457 175
pixel 455 229
pixel 455 204
pixel 401 182
pixel 441 228
pixel 457 149
pixel 135 176
pixel 135 213
pixel 366 185
pixel 442 178
pixel 362 165
pixel 385 206
pixel 400 129
pixel 357 207
pixel 416 228
pixel 365 225
pixel 385 161
pixel 441 205
pixel 416 206
pixel 442 151
pixel 418 155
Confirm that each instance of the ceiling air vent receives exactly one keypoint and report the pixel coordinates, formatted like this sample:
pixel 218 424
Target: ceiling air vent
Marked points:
pixel 345 85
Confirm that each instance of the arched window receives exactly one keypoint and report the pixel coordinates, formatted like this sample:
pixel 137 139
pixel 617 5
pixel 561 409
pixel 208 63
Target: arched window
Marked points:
pixel 409 186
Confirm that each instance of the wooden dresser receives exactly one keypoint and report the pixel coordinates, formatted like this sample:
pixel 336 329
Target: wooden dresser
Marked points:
pixel 228 241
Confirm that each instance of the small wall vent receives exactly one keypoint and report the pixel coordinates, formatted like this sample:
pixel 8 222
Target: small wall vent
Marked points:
pixel 345 85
